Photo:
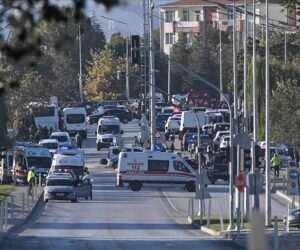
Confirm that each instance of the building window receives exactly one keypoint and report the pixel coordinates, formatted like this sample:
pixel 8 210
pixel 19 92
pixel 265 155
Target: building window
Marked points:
pixel 199 15
pixel 186 15
pixel 170 16
pixel 170 38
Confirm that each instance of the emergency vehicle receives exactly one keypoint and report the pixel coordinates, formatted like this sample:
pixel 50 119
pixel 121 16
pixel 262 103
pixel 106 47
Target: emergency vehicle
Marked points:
pixel 108 132
pixel 75 120
pixel 28 156
pixel 6 164
pixel 138 169
pixel 68 159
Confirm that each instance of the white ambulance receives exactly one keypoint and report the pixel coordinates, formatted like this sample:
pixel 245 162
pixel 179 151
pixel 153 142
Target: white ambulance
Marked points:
pixel 28 156
pixel 138 169
pixel 108 132
pixel 75 121
pixel 68 159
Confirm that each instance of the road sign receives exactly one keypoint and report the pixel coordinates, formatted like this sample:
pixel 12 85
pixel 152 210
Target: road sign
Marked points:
pixel 240 183
pixel 293 185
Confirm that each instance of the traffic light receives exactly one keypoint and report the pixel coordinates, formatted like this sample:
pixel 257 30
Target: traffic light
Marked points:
pixel 135 49
pixel 257 150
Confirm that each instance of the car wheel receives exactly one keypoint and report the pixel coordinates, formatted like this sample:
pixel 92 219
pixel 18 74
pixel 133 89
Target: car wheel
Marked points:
pixel 125 120
pixel 75 200
pixel 190 186
pixel 135 185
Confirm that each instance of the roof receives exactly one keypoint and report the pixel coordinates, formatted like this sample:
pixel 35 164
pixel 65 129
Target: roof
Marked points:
pixel 210 3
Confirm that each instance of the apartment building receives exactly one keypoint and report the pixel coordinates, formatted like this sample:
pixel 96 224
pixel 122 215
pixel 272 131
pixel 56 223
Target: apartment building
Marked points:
pixel 192 16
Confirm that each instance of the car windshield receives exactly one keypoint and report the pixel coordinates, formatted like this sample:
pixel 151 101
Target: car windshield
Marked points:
pixel 50 145
pixel 39 162
pixel 114 129
pixel 60 138
pixel 59 182
pixel 75 118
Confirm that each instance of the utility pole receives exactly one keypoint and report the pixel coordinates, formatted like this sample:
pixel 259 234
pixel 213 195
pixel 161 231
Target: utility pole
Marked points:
pixel 254 103
pixel 220 57
pixel 80 65
pixel 145 53
pixel 245 70
pixel 127 65
pixel 233 130
pixel 267 125
pixel 152 75
pixel 169 70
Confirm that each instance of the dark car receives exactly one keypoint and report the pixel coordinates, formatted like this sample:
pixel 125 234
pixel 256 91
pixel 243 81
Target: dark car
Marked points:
pixel 161 120
pixel 293 218
pixel 124 115
pixel 216 171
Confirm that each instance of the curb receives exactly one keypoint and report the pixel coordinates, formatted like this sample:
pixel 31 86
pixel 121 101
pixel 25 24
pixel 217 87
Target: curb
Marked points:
pixel 21 223
pixel 285 198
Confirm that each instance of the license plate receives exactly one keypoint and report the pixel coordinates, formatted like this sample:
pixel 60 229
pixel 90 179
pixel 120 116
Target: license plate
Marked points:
pixel 60 194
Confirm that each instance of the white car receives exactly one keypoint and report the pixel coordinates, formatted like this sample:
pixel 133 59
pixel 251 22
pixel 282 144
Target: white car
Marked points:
pixel 225 142
pixel 51 144
pixel 219 135
pixel 63 138
pixel 173 124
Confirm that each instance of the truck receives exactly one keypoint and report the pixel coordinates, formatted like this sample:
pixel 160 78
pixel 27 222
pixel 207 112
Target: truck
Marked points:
pixel 108 132
pixel 198 98
pixel 28 156
pixel 6 165
pixel 138 169
pixel 188 120
pixel 75 121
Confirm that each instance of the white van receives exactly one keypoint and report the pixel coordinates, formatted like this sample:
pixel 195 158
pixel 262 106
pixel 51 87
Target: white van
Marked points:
pixel 188 120
pixel 75 120
pixel 108 132
pixel 68 159
pixel 141 168
pixel 26 157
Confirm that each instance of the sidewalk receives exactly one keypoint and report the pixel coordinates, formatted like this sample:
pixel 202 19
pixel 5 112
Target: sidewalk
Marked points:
pixel 16 208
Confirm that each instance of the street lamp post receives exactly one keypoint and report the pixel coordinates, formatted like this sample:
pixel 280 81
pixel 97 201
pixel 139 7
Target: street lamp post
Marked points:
pixel 80 65
pixel 127 55
pixel 220 56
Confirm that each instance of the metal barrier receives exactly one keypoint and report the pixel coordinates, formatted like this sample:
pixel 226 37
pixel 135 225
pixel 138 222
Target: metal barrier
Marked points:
pixel 14 208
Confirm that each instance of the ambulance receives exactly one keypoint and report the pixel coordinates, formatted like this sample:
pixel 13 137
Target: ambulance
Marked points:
pixel 68 160
pixel 28 156
pixel 108 132
pixel 138 169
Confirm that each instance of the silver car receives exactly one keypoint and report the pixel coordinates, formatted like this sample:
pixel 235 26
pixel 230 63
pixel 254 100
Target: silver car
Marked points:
pixel 60 188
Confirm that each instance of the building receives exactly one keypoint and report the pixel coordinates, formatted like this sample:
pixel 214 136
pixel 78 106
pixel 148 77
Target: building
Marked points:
pixel 192 16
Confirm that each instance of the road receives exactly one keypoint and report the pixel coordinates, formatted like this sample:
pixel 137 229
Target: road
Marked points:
pixel 116 218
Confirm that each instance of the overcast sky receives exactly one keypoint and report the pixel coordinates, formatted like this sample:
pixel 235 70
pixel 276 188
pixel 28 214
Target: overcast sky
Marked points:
pixel 129 11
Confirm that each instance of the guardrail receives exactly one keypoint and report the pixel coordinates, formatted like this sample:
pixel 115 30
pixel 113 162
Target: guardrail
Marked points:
pixel 15 208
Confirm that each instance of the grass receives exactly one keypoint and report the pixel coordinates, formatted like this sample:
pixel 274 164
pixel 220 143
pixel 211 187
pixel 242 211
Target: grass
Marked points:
pixel 5 191
pixel 216 225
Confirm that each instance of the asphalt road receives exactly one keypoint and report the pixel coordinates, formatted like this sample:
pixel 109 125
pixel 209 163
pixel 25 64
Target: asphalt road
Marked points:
pixel 116 218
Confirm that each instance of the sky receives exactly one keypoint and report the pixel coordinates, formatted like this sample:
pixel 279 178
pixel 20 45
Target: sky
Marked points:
pixel 129 11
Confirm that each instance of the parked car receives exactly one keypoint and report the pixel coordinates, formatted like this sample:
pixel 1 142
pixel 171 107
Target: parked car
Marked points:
pixel 293 218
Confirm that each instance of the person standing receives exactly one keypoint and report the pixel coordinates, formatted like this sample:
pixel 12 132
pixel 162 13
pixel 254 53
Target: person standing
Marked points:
pixel 30 180
pixel 276 163
pixel 78 139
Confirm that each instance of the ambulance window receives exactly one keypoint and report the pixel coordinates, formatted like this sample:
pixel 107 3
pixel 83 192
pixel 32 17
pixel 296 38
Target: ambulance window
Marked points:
pixel 179 166
pixel 158 166
pixel 137 150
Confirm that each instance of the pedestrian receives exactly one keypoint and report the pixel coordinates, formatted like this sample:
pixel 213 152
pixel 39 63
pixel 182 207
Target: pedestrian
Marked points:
pixel 30 180
pixel 89 178
pixel 276 163
pixel 78 139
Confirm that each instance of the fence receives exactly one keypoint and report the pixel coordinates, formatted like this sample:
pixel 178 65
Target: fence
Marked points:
pixel 15 208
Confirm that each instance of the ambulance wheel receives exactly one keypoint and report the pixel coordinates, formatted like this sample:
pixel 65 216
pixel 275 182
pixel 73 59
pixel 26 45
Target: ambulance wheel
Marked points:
pixel 125 120
pixel 115 165
pixel 135 185
pixel 190 186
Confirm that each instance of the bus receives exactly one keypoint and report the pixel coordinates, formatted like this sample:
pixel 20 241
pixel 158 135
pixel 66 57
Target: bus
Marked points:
pixel 45 115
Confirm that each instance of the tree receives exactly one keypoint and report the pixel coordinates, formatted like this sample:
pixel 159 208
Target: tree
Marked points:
pixel 117 45
pixel 101 81
pixel 285 112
